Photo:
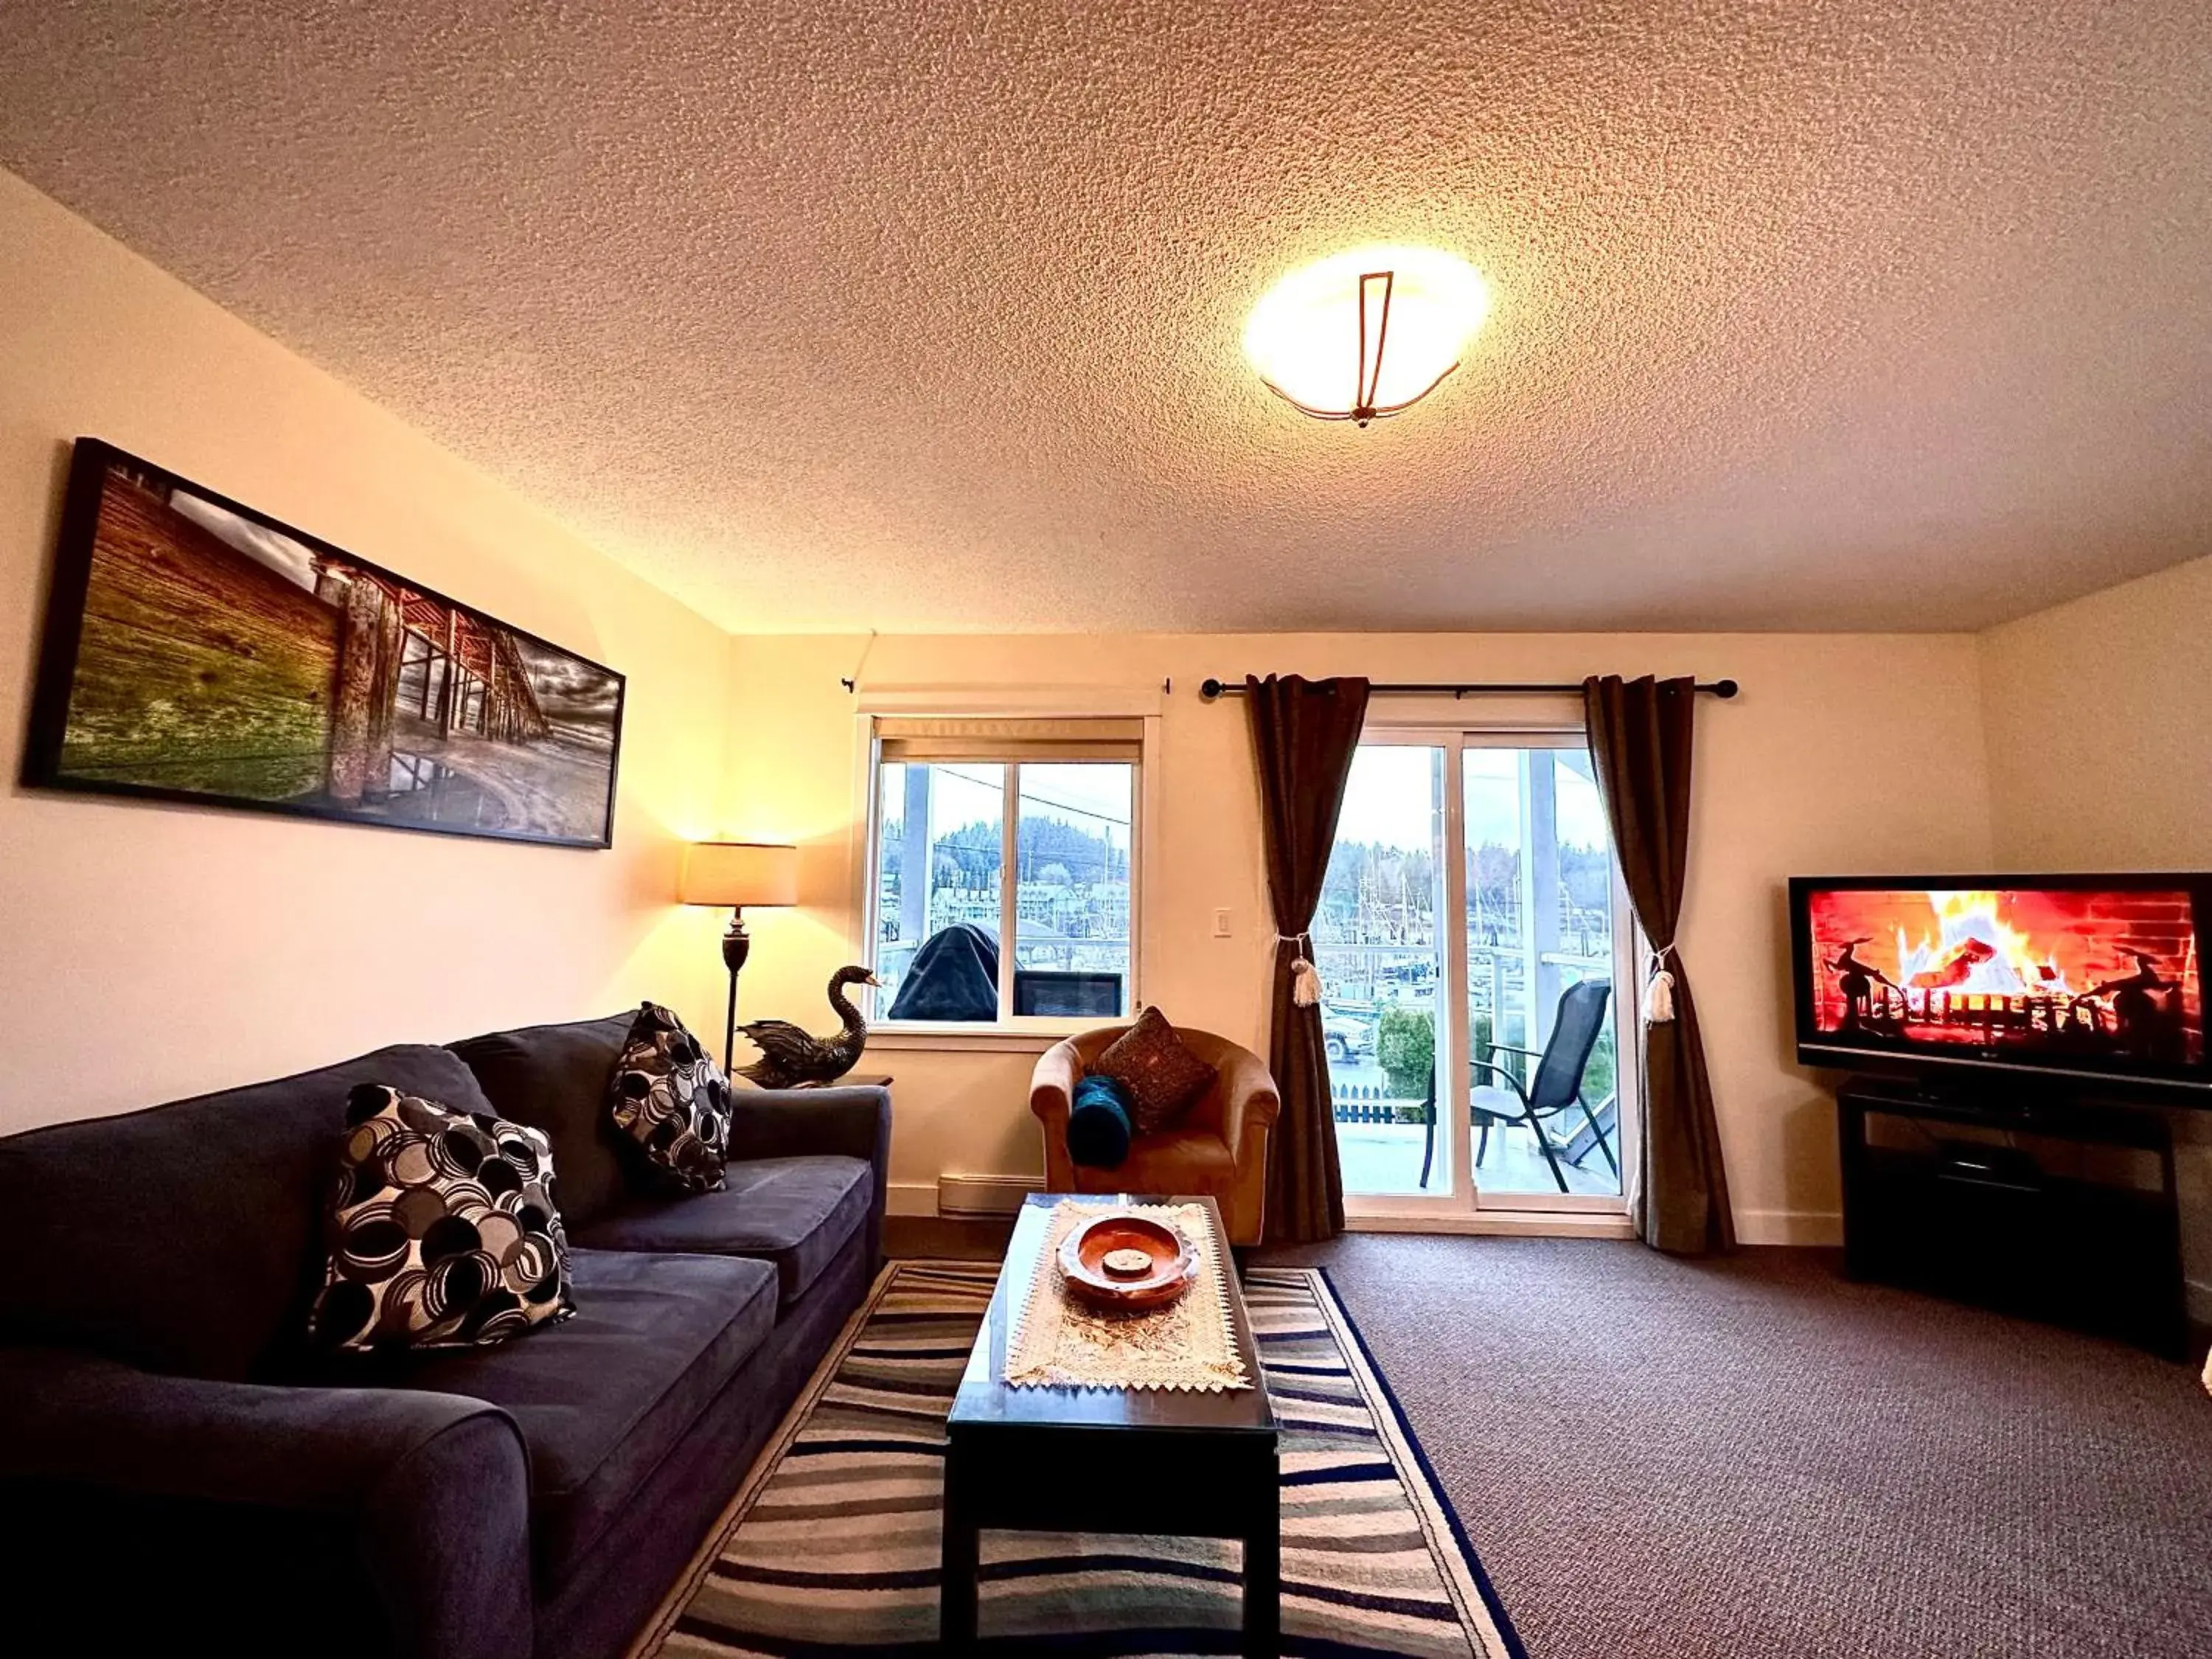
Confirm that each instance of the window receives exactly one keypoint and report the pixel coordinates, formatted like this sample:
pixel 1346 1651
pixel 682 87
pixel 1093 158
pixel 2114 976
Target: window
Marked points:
pixel 1505 831
pixel 990 830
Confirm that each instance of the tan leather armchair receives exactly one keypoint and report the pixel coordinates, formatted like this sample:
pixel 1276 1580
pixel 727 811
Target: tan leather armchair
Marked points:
pixel 1219 1148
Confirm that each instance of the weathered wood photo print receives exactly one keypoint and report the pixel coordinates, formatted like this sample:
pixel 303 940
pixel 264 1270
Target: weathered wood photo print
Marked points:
pixel 196 650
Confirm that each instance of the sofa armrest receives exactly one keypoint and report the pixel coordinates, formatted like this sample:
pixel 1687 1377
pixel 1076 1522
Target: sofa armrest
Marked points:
pixel 850 1122
pixel 434 1489
pixel 1250 1104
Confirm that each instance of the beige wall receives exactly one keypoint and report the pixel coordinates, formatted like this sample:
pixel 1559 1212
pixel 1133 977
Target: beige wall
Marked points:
pixel 2099 720
pixel 1844 753
pixel 149 950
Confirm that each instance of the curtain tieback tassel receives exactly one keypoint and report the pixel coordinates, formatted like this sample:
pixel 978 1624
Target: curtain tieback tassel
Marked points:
pixel 1659 991
pixel 1305 978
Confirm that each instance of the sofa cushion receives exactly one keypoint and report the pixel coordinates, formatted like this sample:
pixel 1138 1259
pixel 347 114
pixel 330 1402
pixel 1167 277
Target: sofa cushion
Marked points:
pixel 604 1398
pixel 186 1238
pixel 672 1101
pixel 443 1230
pixel 795 1213
pixel 556 1078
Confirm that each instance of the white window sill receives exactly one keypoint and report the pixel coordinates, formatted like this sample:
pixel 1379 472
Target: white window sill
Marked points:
pixel 1025 1039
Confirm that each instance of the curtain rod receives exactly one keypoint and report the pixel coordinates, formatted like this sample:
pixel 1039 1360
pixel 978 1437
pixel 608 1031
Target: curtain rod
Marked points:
pixel 1213 688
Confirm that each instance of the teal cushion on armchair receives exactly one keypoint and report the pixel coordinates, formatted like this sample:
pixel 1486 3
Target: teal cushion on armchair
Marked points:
pixel 1098 1123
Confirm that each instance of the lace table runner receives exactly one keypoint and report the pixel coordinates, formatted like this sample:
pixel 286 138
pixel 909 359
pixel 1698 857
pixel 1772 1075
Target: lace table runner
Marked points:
pixel 1060 1342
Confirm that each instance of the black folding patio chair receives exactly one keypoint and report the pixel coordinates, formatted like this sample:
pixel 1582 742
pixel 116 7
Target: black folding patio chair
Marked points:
pixel 1557 1086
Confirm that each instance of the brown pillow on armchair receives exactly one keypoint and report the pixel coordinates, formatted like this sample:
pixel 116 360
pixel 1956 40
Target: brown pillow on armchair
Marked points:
pixel 1163 1077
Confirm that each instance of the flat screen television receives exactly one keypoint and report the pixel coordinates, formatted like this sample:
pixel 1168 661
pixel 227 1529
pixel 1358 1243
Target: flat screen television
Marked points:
pixel 2095 978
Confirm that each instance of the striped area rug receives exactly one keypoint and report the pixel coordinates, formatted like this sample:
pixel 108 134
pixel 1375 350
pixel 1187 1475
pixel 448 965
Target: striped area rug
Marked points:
pixel 832 1546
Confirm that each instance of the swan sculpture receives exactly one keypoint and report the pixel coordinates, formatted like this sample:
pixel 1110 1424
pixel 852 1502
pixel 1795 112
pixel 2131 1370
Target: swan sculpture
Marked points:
pixel 792 1057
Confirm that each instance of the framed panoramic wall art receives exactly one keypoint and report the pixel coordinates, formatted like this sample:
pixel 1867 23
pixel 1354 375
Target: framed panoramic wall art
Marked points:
pixel 198 651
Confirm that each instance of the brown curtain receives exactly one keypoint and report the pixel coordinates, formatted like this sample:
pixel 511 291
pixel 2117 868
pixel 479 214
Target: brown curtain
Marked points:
pixel 1304 736
pixel 1639 739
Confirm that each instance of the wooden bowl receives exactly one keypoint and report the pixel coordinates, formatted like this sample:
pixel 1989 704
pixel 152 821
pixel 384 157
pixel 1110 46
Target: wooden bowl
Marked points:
pixel 1129 1262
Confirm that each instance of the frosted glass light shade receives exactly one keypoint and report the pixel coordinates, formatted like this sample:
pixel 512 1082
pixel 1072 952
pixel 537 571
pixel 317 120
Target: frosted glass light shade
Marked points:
pixel 738 872
pixel 1305 338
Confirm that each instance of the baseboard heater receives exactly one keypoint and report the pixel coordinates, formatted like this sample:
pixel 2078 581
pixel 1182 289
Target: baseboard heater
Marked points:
pixel 959 1194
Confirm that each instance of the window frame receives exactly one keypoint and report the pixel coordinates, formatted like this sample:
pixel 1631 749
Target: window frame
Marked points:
pixel 1022 1033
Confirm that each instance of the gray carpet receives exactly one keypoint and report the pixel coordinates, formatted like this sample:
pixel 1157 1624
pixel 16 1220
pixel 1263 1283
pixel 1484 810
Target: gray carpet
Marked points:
pixel 1757 1459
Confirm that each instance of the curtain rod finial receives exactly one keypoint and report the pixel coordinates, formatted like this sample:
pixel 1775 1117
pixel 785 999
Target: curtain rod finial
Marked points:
pixel 1726 689
pixel 1209 690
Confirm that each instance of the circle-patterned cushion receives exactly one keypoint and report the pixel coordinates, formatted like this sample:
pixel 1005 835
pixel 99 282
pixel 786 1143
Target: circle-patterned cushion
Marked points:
pixel 670 1097
pixel 444 1231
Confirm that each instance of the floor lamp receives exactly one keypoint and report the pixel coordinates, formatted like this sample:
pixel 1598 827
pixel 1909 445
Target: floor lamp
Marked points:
pixel 737 873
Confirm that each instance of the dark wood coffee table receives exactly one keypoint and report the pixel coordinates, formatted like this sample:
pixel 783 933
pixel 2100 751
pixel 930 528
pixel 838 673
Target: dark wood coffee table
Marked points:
pixel 1145 1461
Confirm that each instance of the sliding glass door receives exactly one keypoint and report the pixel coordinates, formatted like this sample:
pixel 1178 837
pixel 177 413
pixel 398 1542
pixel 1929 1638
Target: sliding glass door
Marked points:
pixel 1471 936
pixel 1379 941
pixel 1545 938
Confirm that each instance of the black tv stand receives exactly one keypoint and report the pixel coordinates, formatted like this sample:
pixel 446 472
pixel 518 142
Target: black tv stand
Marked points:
pixel 2034 1198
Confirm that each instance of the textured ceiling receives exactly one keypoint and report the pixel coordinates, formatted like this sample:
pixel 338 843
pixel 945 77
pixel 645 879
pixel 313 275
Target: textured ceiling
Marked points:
pixel 927 315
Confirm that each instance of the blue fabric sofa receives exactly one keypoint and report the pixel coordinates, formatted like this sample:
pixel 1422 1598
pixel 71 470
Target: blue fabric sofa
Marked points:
pixel 179 1472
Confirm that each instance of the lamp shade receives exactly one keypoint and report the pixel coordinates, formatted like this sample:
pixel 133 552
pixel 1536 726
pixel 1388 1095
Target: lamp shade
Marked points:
pixel 740 872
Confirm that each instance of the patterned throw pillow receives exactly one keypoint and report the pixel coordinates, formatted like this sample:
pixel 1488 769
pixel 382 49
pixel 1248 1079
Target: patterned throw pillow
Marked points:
pixel 444 1232
pixel 1163 1077
pixel 670 1097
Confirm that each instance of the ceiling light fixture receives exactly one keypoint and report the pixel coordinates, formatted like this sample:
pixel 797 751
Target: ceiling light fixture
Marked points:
pixel 1367 333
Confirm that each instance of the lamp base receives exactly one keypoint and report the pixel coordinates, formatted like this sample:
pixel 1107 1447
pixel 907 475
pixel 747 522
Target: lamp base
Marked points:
pixel 736 945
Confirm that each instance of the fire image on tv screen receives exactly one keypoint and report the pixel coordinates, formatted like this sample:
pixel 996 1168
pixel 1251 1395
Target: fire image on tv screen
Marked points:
pixel 2055 975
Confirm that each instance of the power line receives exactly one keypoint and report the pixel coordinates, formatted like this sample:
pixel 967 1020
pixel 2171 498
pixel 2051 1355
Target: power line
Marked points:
pixel 1034 800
